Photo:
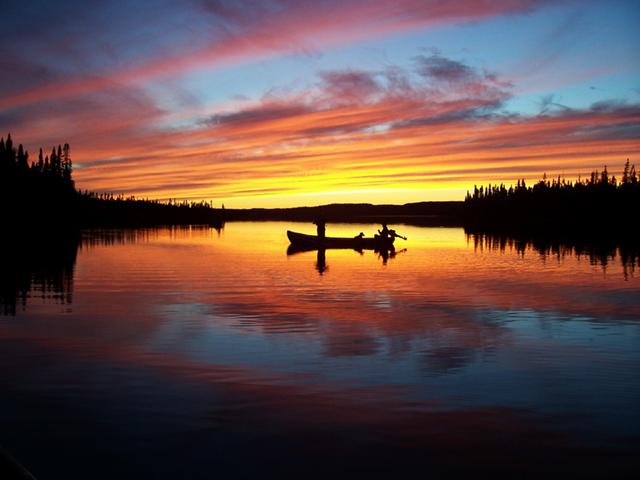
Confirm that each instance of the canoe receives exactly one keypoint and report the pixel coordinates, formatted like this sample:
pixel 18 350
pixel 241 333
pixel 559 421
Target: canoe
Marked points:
pixel 315 242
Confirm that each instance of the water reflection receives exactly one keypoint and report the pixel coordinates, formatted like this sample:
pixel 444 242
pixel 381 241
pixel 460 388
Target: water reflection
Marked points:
pixel 321 262
pixel 113 236
pixel 235 353
pixel 386 254
pixel 40 265
pixel 37 267
pixel 321 254
pixel 600 252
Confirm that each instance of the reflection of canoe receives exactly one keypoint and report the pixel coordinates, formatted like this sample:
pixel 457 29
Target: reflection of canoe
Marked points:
pixel 294 249
pixel 312 242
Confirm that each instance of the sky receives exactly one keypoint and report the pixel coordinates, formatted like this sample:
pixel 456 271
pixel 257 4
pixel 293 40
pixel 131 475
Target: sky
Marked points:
pixel 307 102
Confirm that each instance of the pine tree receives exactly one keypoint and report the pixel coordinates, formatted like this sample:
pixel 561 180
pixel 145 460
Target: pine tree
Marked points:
pixel 10 153
pixel 625 173
pixel 22 159
pixel 67 165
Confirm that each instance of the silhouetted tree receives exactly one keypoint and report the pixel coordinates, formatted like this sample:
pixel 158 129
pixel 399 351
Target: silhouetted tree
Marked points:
pixel 44 194
pixel 599 204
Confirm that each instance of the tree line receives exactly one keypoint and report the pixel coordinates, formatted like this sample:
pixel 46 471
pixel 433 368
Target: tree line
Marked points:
pixel 599 205
pixel 42 193
pixel 39 189
pixel 54 168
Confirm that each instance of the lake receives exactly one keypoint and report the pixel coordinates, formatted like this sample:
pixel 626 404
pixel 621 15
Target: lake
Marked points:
pixel 195 353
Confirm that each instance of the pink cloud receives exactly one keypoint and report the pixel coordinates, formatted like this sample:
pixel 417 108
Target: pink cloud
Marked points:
pixel 352 130
pixel 286 28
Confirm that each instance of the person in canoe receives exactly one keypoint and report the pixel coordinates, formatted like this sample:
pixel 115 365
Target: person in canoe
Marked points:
pixel 322 227
pixel 393 234
pixel 385 233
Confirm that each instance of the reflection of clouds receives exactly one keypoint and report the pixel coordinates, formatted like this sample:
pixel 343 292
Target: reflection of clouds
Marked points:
pixel 256 421
pixel 356 344
pixel 432 304
pixel 472 357
pixel 429 303
pixel 379 300
pixel 366 323
pixel 446 359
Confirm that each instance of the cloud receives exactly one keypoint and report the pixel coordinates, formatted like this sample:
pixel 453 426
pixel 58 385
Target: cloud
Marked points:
pixel 357 100
pixel 266 112
pixel 350 86
pixel 19 72
pixel 438 68
pixel 548 103
pixel 167 41
pixel 303 143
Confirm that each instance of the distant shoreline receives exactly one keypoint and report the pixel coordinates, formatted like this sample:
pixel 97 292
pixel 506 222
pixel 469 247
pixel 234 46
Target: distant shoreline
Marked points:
pixel 422 213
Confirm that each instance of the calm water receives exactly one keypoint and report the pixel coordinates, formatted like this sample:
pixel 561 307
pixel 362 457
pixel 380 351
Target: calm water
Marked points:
pixel 191 353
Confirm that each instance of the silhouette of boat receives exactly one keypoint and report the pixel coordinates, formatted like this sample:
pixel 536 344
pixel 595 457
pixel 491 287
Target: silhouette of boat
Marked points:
pixel 312 242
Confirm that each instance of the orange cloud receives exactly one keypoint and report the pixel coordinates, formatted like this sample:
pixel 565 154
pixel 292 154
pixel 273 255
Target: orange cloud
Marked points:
pixel 392 136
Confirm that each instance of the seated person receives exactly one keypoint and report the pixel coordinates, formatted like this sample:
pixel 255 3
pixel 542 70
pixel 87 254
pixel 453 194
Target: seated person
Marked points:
pixel 321 224
pixel 384 233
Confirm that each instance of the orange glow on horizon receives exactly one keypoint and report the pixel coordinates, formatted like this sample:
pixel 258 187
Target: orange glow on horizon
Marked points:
pixel 276 163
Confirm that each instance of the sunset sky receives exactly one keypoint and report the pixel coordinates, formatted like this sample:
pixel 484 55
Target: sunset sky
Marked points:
pixel 307 102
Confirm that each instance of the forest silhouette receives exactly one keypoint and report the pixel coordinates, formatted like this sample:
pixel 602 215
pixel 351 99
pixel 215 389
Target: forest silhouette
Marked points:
pixel 598 206
pixel 595 217
pixel 41 193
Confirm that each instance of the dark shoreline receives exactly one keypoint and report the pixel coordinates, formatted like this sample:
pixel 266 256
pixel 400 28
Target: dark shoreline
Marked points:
pixel 93 213
pixel 448 214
